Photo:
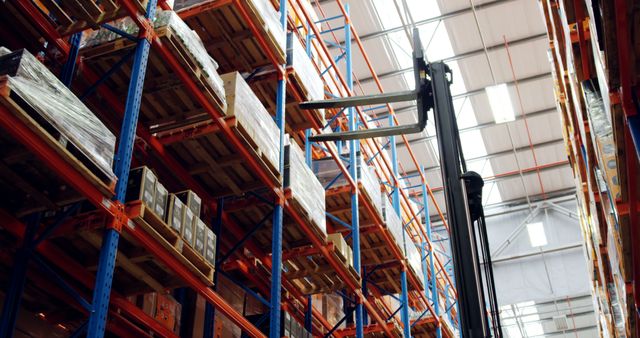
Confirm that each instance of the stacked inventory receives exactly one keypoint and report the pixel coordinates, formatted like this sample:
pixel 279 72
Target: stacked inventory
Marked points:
pixel 593 62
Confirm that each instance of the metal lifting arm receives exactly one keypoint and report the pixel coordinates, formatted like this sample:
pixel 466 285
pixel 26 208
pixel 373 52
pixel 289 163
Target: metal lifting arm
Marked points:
pixel 422 94
pixel 433 92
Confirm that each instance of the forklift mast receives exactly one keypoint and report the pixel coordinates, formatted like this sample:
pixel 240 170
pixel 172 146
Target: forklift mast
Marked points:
pixel 432 91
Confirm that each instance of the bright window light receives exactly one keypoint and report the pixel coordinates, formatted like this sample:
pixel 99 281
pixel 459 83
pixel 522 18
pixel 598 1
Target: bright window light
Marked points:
pixel 500 102
pixel 537 237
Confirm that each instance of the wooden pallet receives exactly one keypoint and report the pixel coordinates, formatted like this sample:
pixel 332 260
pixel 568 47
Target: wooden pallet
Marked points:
pixel 137 270
pixel 248 213
pixel 32 183
pixel 300 210
pixel 166 102
pixel 426 328
pixel 229 39
pixel 297 119
pixel 70 16
pixel 216 163
pixel 313 274
pixel 147 220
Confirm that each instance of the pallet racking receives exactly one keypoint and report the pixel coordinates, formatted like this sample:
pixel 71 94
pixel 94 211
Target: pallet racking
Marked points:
pixel 125 222
pixel 595 71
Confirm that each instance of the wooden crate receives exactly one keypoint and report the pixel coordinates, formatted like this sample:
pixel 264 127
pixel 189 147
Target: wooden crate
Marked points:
pixel 166 102
pixel 70 16
pixel 28 183
pixel 228 36
pixel 137 270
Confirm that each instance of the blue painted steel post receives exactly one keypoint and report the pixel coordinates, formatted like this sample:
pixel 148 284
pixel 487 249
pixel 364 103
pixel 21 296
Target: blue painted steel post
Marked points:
pixel 276 244
pixel 69 67
pixel 354 146
pixel 308 156
pixel 108 251
pixel 404 297
pixel 434 279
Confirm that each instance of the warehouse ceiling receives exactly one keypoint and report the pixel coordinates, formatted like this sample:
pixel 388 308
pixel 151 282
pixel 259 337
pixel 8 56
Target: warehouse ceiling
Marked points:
pixel 520 160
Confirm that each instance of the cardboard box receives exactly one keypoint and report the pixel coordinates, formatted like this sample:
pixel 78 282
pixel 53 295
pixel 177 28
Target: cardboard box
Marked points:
pixel 210 247
pixel 175 213
pixel 191 200
pixel 149 301
pixel 340 244
pixel 168 311
pixel 142 186
pixel 200 236
pixel 160 200
pixel 187 232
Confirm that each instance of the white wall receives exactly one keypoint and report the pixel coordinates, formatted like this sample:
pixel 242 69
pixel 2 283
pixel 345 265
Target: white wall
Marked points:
pixel 543 276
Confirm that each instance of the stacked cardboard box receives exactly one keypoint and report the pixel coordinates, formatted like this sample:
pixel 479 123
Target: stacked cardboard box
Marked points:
pixel 342 247
pixel 180 211
pixel 168 20
pixel 252 118
pixel 306 190
pixel 164 308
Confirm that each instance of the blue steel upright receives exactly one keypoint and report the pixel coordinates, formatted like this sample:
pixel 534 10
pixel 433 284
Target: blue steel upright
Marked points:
pixel 276 244
pixel 108 251
pixel 354 146
pixel 404 296
pixel 433 282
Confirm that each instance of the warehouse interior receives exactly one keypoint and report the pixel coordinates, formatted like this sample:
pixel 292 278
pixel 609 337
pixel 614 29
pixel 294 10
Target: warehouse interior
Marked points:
pixel 260 168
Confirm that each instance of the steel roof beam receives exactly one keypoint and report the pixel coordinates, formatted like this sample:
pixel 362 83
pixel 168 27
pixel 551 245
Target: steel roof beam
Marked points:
pixel 482 125
pixel 461 56
pixel 445 16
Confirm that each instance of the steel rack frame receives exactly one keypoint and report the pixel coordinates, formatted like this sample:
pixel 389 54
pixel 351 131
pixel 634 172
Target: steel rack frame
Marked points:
pixel 139 235
pixel 581 52
pixel 385 161
pixel 360 329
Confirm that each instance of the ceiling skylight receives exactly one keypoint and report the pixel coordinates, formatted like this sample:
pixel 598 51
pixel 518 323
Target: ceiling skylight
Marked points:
pixel 537 236
pixel 500 101
pixel 437 44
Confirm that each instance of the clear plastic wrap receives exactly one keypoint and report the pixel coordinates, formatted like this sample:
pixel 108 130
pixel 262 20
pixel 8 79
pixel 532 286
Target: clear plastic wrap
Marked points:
pixel 305 187
pixel 327 170
pixel 392 220
pixel 263 8
pixel 56 104
pixel 189 39
pixel 371 185
pixel 413 257
pixel 600 124
pixel 303 66
pixel 253 118
pixel 272 21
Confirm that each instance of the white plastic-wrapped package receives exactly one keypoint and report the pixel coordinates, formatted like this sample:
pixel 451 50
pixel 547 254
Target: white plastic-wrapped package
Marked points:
pixel 305 187
pixel 600 124
pixel 393 222
pixel 272 21
pixel 58 106
pixel 189 39
pixel 327 170
pixel 251 115
pixel 298 58
pixel 414 259
pixel 371 185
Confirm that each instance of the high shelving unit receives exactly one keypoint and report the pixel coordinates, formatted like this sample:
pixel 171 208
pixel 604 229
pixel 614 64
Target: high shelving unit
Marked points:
pixel 593 53
pixel 426 301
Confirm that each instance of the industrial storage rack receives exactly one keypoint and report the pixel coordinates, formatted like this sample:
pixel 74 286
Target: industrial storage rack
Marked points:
pixel 595 42
pixel 439 284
